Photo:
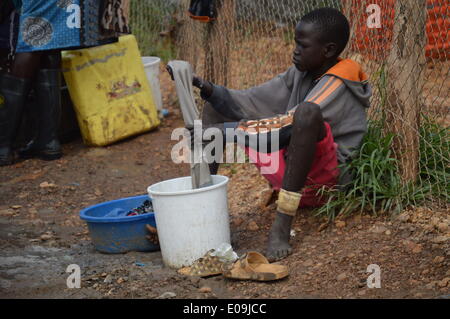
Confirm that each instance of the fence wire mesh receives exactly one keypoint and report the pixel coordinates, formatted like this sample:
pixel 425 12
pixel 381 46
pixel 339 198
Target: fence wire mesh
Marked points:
pixel 407 58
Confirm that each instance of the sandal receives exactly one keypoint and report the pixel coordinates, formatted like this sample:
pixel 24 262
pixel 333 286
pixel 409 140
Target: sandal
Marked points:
pixel 206 266
pixel 254 266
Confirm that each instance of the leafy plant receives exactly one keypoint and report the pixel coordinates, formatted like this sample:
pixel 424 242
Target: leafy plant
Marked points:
pixel 377 186
pixel 434 159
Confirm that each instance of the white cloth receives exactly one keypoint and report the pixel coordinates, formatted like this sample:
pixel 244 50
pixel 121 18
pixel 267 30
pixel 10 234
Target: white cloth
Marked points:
pixel 183 74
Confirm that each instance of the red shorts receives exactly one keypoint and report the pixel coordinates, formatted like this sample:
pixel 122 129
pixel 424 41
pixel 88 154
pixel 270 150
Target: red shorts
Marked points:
pixel 324 170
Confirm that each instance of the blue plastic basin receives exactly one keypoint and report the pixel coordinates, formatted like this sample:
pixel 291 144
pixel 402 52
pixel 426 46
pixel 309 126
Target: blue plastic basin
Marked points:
pixel 116 235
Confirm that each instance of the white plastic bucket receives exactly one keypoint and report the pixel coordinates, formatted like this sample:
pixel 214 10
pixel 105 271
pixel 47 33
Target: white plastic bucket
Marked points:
pixel 190 222
pixel 151 67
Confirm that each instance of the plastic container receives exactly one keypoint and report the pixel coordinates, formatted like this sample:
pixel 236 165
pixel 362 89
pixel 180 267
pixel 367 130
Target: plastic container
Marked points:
pixel 115 235
pixel 151 67
pixel 110 92
pixel 190 222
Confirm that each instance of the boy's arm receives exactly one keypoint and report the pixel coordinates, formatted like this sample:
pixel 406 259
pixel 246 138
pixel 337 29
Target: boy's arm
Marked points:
pixel 276 130
pixel 328 95
pixel 262 101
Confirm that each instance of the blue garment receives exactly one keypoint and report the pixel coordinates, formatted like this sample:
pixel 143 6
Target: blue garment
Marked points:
pixel 60 24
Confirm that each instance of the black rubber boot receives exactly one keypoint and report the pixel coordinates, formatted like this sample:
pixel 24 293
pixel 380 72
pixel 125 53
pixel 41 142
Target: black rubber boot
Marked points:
pixel 13 95
pixel 48 94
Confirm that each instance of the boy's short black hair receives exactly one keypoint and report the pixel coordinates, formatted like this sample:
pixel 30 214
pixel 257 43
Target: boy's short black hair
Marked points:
pixel 332 25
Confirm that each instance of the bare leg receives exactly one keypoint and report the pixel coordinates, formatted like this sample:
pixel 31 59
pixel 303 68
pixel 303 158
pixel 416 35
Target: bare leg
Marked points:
pixel 308 129
pixel 51 60
pixel 25 65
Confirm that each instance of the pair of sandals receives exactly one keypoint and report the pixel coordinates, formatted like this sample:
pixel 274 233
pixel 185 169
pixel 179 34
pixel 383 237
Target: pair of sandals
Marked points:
pixel 251 266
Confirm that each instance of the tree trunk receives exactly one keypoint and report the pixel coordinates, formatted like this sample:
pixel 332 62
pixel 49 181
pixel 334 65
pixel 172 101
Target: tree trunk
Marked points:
pixel 348 9
pixel 189 36
pixel 406 63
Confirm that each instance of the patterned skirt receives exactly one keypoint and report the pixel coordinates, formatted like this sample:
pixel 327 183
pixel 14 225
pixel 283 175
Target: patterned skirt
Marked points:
pixel 61 24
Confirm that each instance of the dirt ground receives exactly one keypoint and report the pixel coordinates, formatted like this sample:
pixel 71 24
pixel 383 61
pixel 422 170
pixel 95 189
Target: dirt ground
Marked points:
pixel 41 233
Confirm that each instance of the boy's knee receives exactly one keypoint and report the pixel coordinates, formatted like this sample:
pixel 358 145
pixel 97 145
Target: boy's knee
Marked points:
pixel 308 113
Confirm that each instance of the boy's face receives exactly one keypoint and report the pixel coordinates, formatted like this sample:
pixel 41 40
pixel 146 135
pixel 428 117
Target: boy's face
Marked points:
pixel 310 53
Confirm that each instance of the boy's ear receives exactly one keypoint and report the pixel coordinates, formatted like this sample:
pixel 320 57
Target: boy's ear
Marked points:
pixel 330 50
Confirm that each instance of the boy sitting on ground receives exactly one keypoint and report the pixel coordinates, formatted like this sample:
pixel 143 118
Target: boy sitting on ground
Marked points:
pixel 318 107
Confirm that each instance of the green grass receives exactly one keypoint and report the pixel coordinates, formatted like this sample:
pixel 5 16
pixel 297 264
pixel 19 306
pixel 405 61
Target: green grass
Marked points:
pixel 377 186
pixel 434 159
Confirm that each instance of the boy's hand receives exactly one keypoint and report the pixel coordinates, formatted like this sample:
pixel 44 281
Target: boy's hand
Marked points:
pixel 205 87
pixel 170 71
pixel 197 82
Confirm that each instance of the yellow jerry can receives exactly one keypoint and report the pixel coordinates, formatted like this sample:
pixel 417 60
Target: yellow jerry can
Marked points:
pixel 110 91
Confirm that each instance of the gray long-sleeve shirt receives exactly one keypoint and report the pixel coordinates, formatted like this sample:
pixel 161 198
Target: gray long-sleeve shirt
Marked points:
pixel 343 94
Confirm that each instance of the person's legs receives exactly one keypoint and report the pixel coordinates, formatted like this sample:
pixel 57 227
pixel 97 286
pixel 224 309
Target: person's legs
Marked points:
pixel 51 60
pixel 26 64
pixel 48 93
pixel 308 129
pixel 3 59
pixel 14 90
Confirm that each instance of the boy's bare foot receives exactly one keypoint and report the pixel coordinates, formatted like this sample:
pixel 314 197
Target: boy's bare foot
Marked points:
pixel 278 247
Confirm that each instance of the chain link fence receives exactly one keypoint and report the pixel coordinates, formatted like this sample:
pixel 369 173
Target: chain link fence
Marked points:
pixel 403 46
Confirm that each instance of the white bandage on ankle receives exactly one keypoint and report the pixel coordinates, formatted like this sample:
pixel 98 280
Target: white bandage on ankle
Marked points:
pixel 288 202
